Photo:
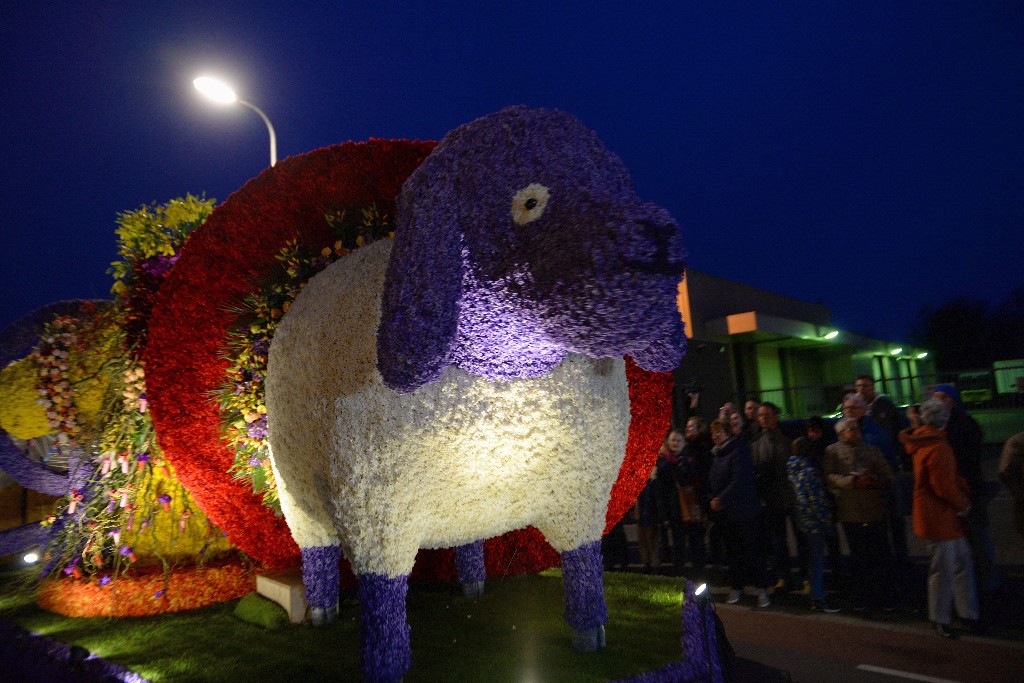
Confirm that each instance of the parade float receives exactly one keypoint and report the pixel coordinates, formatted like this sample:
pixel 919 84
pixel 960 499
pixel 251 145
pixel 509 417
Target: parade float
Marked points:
pixel 471 380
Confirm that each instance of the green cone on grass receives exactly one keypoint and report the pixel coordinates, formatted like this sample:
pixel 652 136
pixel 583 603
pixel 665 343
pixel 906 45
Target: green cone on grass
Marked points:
pixel 256 609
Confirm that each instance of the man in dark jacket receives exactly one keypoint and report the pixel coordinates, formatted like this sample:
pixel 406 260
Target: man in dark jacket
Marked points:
pixel 734 506
pixel 880 407
pixel 770 451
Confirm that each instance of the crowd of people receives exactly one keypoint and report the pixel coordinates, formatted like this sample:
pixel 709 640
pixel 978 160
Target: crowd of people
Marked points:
pixel 727 493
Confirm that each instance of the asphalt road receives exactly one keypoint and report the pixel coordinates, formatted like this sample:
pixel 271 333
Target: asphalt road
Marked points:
pixel 817 647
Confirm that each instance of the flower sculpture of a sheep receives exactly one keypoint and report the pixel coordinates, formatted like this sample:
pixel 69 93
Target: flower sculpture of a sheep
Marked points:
pixel 466 378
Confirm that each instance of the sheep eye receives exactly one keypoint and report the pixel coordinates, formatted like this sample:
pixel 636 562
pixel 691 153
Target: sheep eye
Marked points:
pixel 529 203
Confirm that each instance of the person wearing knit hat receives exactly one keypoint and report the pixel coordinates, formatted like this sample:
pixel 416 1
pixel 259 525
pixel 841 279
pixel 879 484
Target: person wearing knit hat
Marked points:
pixel 940 504
pixel 948 390
pixel 964 435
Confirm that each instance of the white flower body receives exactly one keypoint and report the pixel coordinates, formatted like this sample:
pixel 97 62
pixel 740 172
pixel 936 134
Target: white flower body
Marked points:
pixel 460 459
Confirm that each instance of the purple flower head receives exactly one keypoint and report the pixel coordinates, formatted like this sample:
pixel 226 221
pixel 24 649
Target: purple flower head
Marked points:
pixel 104 579
pixel 125 550
pixel 257 429
pixel 255 462
pixel 160 593
pixel 521 239
pixel 163 499
pixel 158 266
pixel 142 457
pixel 261 346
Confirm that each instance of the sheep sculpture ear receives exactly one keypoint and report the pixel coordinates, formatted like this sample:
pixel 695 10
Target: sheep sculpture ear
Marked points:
pixel 423 282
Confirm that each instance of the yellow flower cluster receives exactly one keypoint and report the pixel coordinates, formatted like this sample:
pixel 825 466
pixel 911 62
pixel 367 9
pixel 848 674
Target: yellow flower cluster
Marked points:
pixel 177 532
pixel 21 415
pixel 156 230
pixel 88 376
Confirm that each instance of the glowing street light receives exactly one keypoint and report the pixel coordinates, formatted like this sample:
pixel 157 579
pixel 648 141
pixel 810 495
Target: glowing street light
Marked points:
pixel 221 92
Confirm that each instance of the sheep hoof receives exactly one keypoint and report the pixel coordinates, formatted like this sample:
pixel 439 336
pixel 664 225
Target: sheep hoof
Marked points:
pixel 324 616
pixel 473 589
pixel 590 640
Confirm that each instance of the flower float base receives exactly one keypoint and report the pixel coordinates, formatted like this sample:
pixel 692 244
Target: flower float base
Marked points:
pixel 145 593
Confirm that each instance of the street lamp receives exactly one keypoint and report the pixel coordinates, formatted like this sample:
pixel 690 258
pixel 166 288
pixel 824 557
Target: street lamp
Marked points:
pixel 221 92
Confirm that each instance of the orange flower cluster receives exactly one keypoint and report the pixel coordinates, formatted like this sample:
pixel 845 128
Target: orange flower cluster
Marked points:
pixel 139 593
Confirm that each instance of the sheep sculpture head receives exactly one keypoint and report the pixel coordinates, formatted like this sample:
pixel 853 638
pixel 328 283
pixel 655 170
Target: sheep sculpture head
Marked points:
pixel 439 389
pixel 532 254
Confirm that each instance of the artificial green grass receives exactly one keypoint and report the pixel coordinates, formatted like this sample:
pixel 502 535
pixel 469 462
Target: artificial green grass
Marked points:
pixel 514 633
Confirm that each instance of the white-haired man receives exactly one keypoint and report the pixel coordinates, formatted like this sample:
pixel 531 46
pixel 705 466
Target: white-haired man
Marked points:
pixel 874 434
pixel 858 476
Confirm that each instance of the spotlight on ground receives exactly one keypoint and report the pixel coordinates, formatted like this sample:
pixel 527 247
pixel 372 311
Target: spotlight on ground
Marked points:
pixel 700 589
pixel 31 557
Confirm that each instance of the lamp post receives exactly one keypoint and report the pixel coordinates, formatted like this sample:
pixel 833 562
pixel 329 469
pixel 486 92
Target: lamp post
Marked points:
pixel 221 92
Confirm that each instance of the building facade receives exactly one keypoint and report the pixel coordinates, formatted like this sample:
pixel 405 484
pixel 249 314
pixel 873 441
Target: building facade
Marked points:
pixel 746 342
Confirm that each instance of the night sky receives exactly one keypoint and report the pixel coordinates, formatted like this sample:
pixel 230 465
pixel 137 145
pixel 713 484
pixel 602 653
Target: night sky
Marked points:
pixel 865 155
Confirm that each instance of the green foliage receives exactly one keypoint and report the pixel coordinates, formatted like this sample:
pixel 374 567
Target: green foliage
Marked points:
pixel 131 507
pixel 242 403
pixel 156 230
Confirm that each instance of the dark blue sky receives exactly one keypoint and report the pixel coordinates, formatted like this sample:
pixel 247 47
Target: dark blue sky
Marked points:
pixel 867 155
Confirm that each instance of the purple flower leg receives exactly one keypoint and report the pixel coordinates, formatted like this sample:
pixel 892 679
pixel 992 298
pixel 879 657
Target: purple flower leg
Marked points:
pixel 22 537
pixel 585 609
pixel 385 629
pixel 27 472
pixel 322 579
pixel 699 641
pixel 700 647
pixel 469 565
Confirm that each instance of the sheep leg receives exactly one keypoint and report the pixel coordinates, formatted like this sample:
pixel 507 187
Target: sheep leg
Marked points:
pixel 385 627
pixel 583 583
pixel 321 578
pixel 469 564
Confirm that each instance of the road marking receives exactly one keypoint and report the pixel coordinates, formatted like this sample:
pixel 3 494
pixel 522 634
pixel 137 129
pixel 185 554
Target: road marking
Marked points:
pixel 903 674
